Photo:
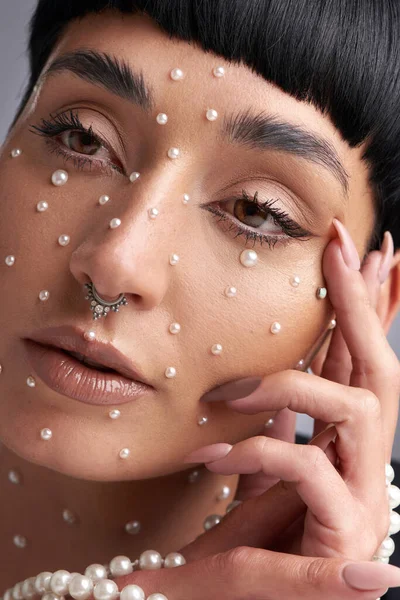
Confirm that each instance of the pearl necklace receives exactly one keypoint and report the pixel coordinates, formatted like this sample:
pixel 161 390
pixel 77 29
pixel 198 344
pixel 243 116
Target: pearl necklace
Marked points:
pixel 97 579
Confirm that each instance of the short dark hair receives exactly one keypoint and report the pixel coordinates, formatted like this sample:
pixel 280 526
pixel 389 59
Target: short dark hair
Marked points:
pixel 342 56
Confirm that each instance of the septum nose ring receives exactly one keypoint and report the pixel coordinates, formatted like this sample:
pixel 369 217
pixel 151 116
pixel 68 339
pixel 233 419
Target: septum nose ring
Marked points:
pixel 100 307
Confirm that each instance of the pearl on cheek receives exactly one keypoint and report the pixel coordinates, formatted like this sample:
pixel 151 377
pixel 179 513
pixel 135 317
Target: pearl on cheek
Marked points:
pixel 16 152
pixel 134 176
pixel 211 114
pixel 218 71
pixel 173 153
pixel 161 118
pixel 249 258
pixel 59 177
pixel 42 206
pixel 177 74
pixel 103 200
pixel 153 213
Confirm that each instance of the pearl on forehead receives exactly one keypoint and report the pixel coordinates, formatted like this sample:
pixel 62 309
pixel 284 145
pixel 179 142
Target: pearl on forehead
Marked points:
pixel 42 206
pixel 16 152
pixel 248 258
pixel 59 177
pixel 275 327
pixel 9 260
pixel 173 259
pixel 230 291
pixel 173 152
pixel 177 74
pixel 46 434
pixel 321 292
pixel 186 198
pixel 202 421
pixel 170 372
pixel 175 328
pixel 332 324
pixel 104 199
pixel 134 176
pixel 31 381
pixel 211 114
pixel 44 295
pixel 114 414
pixel 90 335
pixel 216 349
pixel 64 240
pixel 114 223
pixel 161 118
pixel 153 213
pixel 218 71
pixel 295 281
pixel 124 453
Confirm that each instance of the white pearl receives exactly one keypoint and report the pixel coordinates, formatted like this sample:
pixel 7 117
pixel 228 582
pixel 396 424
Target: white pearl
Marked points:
pixel 157 596
pixel 69 516
pixel 233 505
pixel 9 260
pixel 295 281
pixel 177 74
pixel 211 521
pixel 133 527
pixel 80 587
pixel 216 349
pixel 153 213
pixel 218 71
pixel 105 590
pixel 64 240
pixel 394 523
pixel 114 414
pixel 170 372
pixel 174 559
pixel 90 335
pixel 114 223
pixel 211 114
pixel 185 198
pixel 202 421
pixel 225 493
pixel 230 292
pixel 321 293
pixel 173 259
pixel 175 328
pixel 173 152
pixel 332 324
pixel 42 206
pixel 28 588
pixel 104 199
pixel 44 295
pixel 275 327
pixel 59 177
pixel 269 423
pixel 124 453
pixel 386 549
pixel 95 572
pixel 17 591
pixel 161 118
pixel 42 582
pixel 248 258
pixel 300 364
pixel 14 476
pixel 20 541
pixel 31 381
pixel 394 496
pixel 16 152
pixel 193 476
pixel 134 176
pixel 121 565
pixel 132 592
pixel 389 473
pixel 46 434
pixel 150 559
pixel 59 582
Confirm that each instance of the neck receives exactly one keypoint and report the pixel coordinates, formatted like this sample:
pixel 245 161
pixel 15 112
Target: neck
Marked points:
pixel 170 509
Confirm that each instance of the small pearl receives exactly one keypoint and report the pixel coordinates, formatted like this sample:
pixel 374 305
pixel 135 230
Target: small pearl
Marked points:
pixel 150 559
pixel 170 372
pixel 20 541
pixel 230 292
pixel 14 476
pixel 295 281
pixel 225 493
pixel 211 114
pixel 175 328
pixel 300 364
pixel 16 152
pixel 248 258
pixel 121 565
pixel 44 295
pixel 64 240
pixel 96 572
pixel 153 213
pixel 174 559
pixel 202 421
pixel 59 177
pixel 90 335
pixel 216 349
pixel 133 527
pixel 193 476
pixel 173 152
pixel 46 434
pixel 211 521
pixel 10 260
pixel 104 199
pixel 114 414
pixel 275 327
pixel 332 324
pixel 124 453
pixel 161 118
pixel 177 74
pixel 269 423
pixel 134 176
pixel 186 198
pixel 69 517
pixel 114 223
pixel 31 381
pixel 173 259
pixel 218 71
pixel 42 206
pixel 321 293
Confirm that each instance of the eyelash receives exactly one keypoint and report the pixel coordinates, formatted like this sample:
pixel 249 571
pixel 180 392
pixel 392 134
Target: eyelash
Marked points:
pixel 69 121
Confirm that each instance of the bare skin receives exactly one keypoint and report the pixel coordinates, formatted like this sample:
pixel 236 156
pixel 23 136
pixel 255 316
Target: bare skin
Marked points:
pixel 80 468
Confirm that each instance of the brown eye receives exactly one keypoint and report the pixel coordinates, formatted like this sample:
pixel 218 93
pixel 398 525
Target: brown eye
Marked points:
pixel 81 142
pixel 251 214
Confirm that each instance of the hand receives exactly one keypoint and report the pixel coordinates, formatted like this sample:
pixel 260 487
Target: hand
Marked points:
pixel 358 392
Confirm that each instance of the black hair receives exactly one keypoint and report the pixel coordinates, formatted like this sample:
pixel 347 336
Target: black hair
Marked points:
pixel 342 56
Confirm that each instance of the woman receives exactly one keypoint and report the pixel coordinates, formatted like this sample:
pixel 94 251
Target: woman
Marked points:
pixel 188 195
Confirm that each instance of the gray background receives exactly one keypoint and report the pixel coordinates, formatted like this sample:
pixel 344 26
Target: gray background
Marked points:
pixel 14 18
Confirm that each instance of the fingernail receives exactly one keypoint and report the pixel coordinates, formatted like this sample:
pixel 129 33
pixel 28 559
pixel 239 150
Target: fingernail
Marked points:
pixel 208 453
pixel 371 575
pixel 388 253
pixel 349 251
pixel 233 390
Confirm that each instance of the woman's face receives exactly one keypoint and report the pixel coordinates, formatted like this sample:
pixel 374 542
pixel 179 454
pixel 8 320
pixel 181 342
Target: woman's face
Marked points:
pixel 208 233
